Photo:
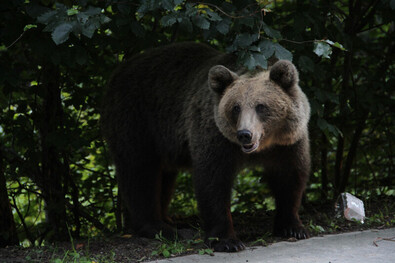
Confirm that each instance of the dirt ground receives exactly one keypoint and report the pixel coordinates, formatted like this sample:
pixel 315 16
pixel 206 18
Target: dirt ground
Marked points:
pixel 254 229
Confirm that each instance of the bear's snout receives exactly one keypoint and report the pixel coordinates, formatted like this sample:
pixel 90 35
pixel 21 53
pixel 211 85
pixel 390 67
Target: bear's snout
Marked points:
pixel 244 136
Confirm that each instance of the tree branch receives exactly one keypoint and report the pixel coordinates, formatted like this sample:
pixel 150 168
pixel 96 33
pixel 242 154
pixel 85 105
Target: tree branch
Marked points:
pixel 338 164
pixel 28 234
pixel 352 152
pixel 365 20
pixel 91 219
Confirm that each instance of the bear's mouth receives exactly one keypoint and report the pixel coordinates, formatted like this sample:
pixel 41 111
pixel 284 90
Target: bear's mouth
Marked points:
pixel 249 148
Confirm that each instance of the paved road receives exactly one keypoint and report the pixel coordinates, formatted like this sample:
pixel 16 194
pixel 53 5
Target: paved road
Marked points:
pixel 355 247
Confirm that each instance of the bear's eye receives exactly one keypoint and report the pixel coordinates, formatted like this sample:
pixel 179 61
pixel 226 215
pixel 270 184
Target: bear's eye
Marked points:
pixel 261 108
pixel 236 109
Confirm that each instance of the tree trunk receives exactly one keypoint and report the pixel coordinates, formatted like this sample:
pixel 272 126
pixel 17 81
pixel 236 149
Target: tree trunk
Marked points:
pixel 338 164
pixel 324 168
pixel 52 173
pixel 352 153
pixel 8 234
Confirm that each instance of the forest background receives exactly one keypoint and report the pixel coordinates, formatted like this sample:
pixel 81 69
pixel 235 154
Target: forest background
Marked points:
pixel 56 177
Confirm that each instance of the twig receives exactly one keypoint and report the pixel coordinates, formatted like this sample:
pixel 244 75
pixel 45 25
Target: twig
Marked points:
pixel 90 170
pixel 28 234
pixel 13 152
pixel 372 27
pixel 16 40
pixel 91 219
pixel 383 238
pixel 300 42
pixel 226 14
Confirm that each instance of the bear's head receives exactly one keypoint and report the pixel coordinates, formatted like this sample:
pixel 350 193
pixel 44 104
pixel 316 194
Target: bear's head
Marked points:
pixel 260 110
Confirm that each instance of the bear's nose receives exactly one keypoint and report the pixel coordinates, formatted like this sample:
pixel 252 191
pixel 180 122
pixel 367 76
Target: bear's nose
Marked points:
pixel 244 136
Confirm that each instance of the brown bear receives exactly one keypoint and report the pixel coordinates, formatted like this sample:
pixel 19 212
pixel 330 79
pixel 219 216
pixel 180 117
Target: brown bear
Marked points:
pixel 188 106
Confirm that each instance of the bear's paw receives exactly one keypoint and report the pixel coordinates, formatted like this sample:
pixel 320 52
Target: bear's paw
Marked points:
pixel 227 245
pixel 298 232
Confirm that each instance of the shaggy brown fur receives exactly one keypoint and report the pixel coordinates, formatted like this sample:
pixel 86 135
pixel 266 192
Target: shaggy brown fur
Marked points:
pixel 175 107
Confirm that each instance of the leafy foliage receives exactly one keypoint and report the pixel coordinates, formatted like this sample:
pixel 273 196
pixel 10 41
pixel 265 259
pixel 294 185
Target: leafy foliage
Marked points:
pixel 63 21
pixel 56 57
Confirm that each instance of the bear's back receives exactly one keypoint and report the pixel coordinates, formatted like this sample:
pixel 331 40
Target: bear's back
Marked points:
pixel 153 92
pixel 162 75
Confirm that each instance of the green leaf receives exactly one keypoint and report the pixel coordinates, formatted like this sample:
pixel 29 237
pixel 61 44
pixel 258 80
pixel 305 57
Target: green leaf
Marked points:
pixel 248 21
pixel 168 20
pixel 335 44
pixel 247 59
pixel 249 62
pixel 267 48
pixel 72 11
pixel 166 253
pixel 223 26
pixel 322 49
pixel 281 53
pixel 47 17
pixel 149 5
pixel 89 29
pixel 30 26
pixel 209 251
pixel 270 31
pixel 92 11
pixel 104 19
pixel 61 33
pixel 213 16
pixel 190 10
pixel 201 22
pixel 168 5
pixel 254 48
pixel 328 128
pixel 245 40
pixel 260 60
pixel 338 45
pixel 82 17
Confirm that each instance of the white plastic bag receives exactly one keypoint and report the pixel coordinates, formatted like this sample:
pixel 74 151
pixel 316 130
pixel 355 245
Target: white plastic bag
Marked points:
pixel 351 207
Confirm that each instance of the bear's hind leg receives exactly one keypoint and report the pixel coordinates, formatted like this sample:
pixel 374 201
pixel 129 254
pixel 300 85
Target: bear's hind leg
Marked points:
pixel 140 186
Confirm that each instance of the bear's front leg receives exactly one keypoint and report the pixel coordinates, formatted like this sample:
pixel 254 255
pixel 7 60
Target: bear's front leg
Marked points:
pixel 287 172
pixel 213 191
pixel 213 177
pixel 288 190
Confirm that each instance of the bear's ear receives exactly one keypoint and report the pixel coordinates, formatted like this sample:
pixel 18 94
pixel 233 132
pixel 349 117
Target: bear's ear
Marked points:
pixel 284 73
pixel 219 78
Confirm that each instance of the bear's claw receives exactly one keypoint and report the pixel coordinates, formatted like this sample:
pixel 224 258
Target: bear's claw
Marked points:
pixel 298 232
pixel 227 245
